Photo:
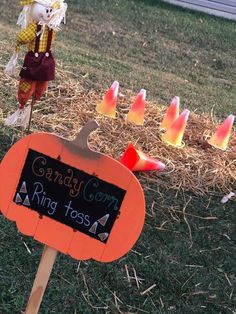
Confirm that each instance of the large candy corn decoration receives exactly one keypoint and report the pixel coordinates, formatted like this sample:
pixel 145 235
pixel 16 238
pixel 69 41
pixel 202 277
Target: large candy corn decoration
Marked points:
pixel 108 105
pixel 172 114
pixel 136 160
pixel 220 138
pixel 70 198
pixel 174 135
pixel 136 113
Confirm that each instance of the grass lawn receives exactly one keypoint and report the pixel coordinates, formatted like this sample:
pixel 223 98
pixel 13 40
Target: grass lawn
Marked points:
pixel 187 251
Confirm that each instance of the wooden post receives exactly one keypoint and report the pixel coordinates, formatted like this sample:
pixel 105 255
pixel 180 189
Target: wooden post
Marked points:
pixel 31 111
pixel 41 280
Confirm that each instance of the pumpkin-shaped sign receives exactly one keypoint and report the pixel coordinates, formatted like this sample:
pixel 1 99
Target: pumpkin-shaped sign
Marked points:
pixel 77 201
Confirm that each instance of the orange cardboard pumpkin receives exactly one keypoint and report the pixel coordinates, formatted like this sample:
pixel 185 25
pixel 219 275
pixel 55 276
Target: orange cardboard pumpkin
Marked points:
pixel 77 201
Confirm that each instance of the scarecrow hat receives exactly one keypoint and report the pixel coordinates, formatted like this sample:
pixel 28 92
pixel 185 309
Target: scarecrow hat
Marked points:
pixel 53 3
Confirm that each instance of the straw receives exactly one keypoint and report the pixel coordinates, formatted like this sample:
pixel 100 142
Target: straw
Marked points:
pixel 197 167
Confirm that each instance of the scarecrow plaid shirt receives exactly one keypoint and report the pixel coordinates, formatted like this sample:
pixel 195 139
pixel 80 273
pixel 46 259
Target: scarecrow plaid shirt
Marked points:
pixel 28 36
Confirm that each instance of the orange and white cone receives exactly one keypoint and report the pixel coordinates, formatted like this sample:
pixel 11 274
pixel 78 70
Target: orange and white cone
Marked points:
pixel 108 105
pixel 136 160
pixel 171 115
pixel 220 138
pixel 136 113
pixel 174 135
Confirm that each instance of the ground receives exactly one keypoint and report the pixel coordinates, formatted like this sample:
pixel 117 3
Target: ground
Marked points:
pixel 186 253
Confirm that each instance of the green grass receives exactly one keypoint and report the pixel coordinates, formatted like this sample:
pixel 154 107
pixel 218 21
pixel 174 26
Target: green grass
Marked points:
pixel 185 53
pixel 190 258
pixel 166 50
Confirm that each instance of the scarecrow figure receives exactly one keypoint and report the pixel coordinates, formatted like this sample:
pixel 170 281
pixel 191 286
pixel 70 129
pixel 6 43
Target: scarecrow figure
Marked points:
pixel 39 20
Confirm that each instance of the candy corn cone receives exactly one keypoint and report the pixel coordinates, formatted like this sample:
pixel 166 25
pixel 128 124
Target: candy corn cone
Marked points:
pixel 174 135
pixel 136 113
pixel 171 115
pixel 220 138
pixel 130 157
pixel 108 106
pixel 135 160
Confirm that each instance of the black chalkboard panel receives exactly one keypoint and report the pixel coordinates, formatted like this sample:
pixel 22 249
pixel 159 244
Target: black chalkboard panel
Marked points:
pixel 69 195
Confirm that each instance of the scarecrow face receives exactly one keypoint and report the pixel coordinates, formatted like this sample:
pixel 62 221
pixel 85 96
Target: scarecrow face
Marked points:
pixel 42 13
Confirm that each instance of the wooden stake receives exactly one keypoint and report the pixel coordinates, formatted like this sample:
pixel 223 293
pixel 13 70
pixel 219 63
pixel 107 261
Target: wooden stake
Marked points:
pixel 41 280
pixel 31 111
